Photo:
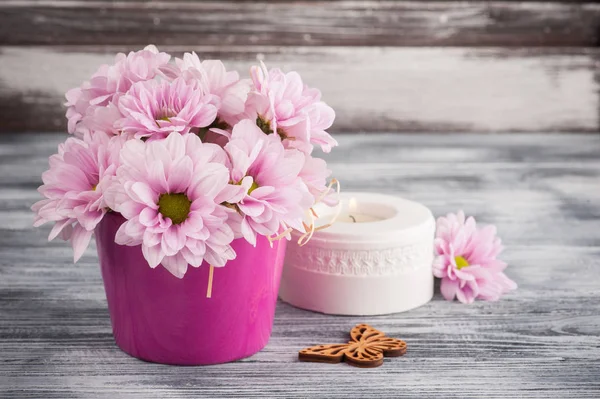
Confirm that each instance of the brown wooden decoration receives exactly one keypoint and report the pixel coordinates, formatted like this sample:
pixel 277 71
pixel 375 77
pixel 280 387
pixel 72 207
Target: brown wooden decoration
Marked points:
pixel 367 348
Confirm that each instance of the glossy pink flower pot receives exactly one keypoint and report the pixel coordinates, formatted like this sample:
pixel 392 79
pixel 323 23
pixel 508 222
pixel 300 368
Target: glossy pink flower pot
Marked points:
pixel 159 318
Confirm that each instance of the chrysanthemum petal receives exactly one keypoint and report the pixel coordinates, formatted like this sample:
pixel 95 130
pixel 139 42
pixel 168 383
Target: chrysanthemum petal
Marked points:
pixel 80 239
pixel 176 264
pixel 153 255
pixel 479 273
pixel 449 288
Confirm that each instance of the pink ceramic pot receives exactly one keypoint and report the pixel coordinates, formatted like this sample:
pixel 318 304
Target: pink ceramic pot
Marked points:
pixel 159 318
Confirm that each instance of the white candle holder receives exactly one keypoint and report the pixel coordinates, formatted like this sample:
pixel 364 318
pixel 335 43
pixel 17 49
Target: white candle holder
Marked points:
pixel 375 259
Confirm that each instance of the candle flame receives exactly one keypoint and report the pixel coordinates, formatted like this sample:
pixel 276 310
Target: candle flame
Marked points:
pixel 352 205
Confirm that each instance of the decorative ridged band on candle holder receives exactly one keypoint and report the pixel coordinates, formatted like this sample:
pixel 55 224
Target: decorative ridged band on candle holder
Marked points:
pixel 370 268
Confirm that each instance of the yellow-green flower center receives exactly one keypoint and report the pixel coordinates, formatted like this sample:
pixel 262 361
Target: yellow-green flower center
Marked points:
pixel 460 262
pixel 174 206
pixel 159 119
pixel 164 114
pixel 253 187
pixel 219 124
pixel 265 126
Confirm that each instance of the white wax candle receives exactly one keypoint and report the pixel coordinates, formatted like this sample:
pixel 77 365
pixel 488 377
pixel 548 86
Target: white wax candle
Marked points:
pixel 352 212
pixel 374 259
pixel 356 218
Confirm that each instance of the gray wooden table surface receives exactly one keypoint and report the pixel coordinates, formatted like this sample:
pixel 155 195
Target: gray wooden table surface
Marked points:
pixel 542 191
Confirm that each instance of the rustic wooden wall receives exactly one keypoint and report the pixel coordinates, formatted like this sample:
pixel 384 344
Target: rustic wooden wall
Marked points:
pixel 494 66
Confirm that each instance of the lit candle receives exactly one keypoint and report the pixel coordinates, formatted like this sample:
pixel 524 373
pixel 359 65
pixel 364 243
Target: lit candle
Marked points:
pixel 375 258
pixel 351 214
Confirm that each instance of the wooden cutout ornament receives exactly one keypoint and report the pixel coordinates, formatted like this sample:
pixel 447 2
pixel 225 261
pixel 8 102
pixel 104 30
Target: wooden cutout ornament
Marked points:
pixel 366 348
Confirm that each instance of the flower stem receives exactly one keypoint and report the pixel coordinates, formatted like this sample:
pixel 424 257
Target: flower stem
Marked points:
pixel 210 282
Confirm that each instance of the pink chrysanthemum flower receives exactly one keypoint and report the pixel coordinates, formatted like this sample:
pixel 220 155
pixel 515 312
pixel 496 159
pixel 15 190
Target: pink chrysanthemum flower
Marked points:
pixel 466 260
pixel 170 192
pixel 281 103
pixel 92 106
pixel 74 188
pixel 314 174
pixel 155 109
pixel 226 85
pixel 273 197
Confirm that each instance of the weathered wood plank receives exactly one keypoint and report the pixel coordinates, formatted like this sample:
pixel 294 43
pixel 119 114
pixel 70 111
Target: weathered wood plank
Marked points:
pixel 541 341
pixel 371 89
pixel 314 23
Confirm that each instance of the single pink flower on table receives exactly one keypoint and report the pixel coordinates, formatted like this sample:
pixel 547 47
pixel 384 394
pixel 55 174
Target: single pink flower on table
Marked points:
pixel 273 197
pixel 74 188
pixel 170 191
pixel 467 261
pixel 92 106
pixel 281 103
pixel 155 109
pixel 225 85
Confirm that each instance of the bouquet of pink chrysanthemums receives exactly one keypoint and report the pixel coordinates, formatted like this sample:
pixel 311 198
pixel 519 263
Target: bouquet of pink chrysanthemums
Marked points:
pixel 191 155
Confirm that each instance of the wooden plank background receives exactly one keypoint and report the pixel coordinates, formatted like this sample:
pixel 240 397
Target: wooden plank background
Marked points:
pixel 540 341
pixel 306 23
pixel 492 66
